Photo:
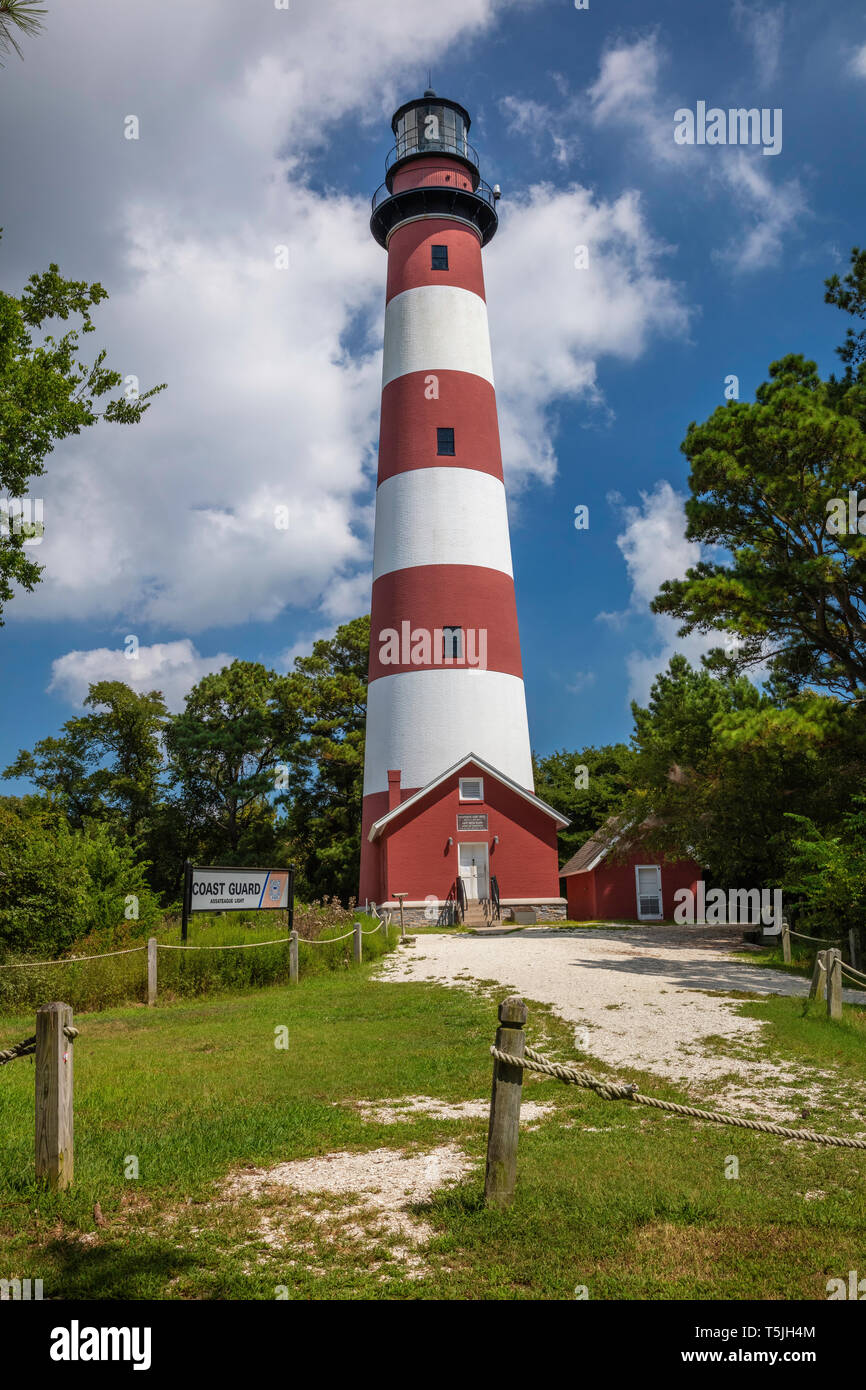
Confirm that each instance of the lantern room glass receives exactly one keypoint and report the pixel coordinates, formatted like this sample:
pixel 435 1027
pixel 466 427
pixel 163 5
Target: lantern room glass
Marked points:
pixel 430 125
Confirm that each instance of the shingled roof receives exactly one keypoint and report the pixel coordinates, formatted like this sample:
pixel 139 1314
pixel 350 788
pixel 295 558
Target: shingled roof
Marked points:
pixel 599 844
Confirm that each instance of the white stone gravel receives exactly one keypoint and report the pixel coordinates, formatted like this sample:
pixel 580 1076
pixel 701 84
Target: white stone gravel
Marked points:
pixel 388 1182
pixel 404 1108
pixel 637 998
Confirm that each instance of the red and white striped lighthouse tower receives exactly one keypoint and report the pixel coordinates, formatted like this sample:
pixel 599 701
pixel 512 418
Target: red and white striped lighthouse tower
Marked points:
pixel 445 676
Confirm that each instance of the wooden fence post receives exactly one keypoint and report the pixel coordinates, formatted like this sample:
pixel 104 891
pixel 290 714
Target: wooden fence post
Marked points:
pixel 501 1172
pixel 400 897
pixel 54 1094
pixel 293 958
pixel 786 943
pixel 816 988
pixel 151 972
pixel 834 984
pixel 854 948
pixel 357 944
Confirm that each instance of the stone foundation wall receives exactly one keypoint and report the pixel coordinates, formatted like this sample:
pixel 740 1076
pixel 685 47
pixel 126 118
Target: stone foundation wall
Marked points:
pixel 415 916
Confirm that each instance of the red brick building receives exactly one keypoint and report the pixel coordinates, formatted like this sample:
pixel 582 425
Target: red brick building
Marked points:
pixel 639 885
pixel 471 822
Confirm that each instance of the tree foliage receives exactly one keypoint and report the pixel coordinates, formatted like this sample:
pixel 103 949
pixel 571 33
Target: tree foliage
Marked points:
pixel 793 591
pixel 106 764
pixel 47 393
pixel 18 17
pixel 329 691
pixel 224 753
pixel 586 786
pixel 58 884
pixel 723 767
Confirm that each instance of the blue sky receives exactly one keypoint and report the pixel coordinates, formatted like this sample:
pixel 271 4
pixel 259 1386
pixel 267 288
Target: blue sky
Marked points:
pixel 271 127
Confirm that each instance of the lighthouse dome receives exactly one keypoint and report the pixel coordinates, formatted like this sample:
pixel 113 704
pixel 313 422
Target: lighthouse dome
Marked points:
pixel 432 125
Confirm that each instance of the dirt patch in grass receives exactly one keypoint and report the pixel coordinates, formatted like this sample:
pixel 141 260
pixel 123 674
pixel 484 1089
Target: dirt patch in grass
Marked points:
pixel 397 1111
pixel 376 1192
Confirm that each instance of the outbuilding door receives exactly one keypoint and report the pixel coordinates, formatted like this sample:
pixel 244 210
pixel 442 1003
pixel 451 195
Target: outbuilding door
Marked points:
pixel 472 867
pixel 649 891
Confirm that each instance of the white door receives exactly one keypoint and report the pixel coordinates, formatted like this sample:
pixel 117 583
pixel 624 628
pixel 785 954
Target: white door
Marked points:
pixel 649 890
pixel 472 867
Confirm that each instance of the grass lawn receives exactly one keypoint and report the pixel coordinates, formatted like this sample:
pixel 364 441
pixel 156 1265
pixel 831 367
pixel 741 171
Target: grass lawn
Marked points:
pixel 630 1203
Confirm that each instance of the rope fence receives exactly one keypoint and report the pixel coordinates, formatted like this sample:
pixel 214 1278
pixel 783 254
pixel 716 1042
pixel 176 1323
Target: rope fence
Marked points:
pixel 71 960
pixel 327 941
pixel 612 1090
pixel 22 1049
pixel 153 947
pixel 820 940
pixel 242 946
pixel 512 1058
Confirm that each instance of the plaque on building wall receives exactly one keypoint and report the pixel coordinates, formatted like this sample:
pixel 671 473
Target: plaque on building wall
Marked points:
pixel 472 822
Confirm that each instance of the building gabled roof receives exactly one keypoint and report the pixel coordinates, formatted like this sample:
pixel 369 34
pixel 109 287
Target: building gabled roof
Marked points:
pixel 601 842
pixel 473 758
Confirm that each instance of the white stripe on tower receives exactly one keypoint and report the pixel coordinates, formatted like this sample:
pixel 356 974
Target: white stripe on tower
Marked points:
pixel 436 328
pixel 441 516
pixel 413 716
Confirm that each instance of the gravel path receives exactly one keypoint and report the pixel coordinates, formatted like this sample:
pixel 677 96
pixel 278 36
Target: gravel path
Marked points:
pixel 636 998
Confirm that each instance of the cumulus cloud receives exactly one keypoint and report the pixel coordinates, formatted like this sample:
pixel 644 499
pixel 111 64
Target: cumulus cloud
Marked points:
pixel 172 667
pixel 273 373
pixel 553 322
pixel 654 546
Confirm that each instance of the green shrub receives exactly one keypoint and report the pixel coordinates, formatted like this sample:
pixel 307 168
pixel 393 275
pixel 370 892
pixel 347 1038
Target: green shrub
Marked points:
pixel 60 886
pixel 827 870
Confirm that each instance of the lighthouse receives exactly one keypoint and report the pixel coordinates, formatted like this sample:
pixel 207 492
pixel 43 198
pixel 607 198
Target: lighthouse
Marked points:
pixel 451 822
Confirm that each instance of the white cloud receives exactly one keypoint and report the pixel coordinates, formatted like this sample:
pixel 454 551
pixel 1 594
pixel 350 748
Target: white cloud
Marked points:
pixel 654 546
pixel 273 375
pixel 172 667
pixel 627 94
pixel 858 62
pixel 627 81
pixel 552 323
pixel 762 27
pixel 774 210
pixel 537 122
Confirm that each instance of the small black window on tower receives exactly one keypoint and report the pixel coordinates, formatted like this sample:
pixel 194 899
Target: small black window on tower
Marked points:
pixel 445 441
pixel 440 257
pixel 452 643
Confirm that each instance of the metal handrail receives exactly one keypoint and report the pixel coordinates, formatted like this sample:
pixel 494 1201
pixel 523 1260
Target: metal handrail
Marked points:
pixel 404 148
pixel 482 191
pixel 461 897
pixel 494 897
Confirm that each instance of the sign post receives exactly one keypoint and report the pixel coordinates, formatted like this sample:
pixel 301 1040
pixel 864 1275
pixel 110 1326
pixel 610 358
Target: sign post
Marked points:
pixel 187 892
